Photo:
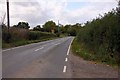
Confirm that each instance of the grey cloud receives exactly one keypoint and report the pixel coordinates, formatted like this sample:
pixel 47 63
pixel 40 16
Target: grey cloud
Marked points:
pixel 25 4
pixel 37 13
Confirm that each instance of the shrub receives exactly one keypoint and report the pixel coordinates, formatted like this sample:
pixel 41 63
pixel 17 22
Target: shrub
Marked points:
pixel 18 33
pixel 34 35
pixel 102 36
pixel 6 37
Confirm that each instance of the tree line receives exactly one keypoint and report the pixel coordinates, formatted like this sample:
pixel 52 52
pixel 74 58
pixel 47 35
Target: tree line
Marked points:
pixel 22 31
pixel 51 27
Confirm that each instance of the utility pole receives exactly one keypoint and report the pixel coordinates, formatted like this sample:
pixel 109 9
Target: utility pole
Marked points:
pixel 58 26
pixel 8 19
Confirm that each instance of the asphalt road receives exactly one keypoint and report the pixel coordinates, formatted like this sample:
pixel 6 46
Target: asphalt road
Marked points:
pixel 51 59
pixel 46 59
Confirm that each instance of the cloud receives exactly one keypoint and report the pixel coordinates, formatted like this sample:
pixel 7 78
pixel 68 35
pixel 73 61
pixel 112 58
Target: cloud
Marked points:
pixel 39 11
pixel 88 12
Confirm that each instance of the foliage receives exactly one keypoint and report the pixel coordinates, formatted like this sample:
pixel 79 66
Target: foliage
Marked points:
pixel 79 50
pixel 48 26
pixel 14 34
pixel 23 25
pixel 38 28
pixel 72 30
pixel 6 37
pixel 19 36
pixel 34 35
pixel 102 36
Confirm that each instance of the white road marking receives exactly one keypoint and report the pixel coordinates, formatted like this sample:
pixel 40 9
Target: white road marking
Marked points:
pixel 44 45
pixel 68 50
pixel 27 45
pixel 6 50
pixel 39 48
pixel 18 47
pixel 64 69
pixel 57 44
pixel 52 43
pixel 69 47
pixel 13 48
pixel 66 59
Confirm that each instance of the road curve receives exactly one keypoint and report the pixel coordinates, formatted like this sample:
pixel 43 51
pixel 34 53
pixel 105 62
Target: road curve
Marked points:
pixel 46 59
pixel 51 59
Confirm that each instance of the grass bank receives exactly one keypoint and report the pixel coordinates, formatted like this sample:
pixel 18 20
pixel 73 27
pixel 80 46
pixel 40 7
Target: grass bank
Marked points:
pixel 23 42
pixel 80 50
pixel 17 37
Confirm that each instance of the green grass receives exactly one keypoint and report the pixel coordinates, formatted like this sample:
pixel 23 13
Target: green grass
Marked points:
pixel 24 42
pixel 80 50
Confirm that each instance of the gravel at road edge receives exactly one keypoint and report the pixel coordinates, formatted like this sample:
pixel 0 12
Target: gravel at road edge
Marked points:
pixel 88 69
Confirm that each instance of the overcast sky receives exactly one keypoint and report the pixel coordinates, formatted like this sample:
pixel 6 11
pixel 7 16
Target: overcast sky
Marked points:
pixel 37 12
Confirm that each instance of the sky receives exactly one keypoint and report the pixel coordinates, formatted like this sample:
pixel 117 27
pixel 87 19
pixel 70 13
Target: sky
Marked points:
pixel 37 12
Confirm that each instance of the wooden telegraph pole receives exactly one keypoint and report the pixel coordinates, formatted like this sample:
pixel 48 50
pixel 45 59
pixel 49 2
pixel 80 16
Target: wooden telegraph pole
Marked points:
pixel 8 19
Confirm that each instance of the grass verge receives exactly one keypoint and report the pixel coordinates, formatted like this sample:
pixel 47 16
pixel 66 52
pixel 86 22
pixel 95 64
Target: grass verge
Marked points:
pixel 23 42
pixel 79 50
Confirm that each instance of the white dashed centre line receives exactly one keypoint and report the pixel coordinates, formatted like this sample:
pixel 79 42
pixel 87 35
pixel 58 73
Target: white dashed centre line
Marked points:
pixel 39 48
pixel 57 44
pixel 44 45
pixel 68 50
pixel 69 47
pixel 64 69
pixel 66 59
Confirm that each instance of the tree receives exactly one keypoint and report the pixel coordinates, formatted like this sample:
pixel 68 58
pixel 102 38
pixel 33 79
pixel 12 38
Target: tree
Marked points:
pixel 76 27
pixel 49 26
pixel 38 28
pixel 71 31
pixel 62 29
pixel 24 25
pixel 66 27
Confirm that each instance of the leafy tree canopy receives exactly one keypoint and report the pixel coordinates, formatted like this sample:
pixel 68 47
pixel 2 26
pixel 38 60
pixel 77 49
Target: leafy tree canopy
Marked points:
pixel 48 26
pixel 24 25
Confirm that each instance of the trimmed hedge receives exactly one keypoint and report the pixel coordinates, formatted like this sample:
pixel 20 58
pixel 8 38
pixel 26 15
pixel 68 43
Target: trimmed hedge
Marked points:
pixel 34 35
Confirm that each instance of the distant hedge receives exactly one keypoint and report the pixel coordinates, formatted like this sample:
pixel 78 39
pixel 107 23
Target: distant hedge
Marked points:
pixel 14 34
pixel 34 35
pixel 19 34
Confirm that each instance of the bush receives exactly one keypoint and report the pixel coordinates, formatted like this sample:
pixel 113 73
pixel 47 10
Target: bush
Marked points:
pixel 19 36
pixel 14 34
pixel 102 37
pixel 34 35
pixel 6 37
pixel 72 32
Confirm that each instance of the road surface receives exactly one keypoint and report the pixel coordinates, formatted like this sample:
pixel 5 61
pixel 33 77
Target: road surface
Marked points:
pixel 51 59
pixel 40 60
